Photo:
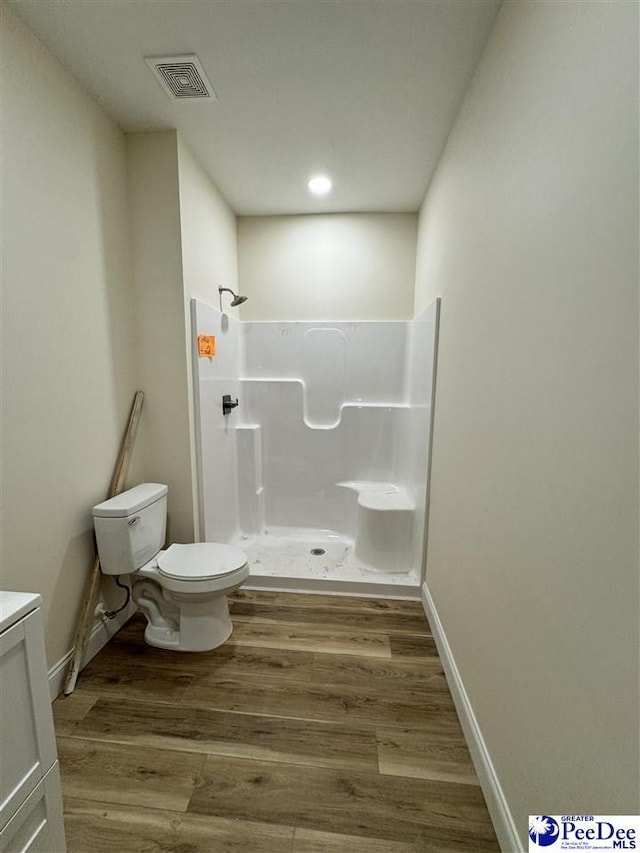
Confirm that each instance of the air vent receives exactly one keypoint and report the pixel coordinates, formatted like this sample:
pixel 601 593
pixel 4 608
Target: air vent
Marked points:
pixel 181 77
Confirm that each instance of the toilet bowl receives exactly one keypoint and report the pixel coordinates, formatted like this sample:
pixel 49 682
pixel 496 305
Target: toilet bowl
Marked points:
pixel 181 590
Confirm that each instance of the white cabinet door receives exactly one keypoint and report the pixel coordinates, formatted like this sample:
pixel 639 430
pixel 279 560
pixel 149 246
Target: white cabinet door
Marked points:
pixel 27 748
pixel 37 825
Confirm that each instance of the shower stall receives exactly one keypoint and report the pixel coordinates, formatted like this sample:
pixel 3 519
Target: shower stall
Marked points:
pixel 320 472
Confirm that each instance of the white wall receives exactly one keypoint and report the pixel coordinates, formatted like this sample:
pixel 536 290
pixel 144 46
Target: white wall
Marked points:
pixel 184 245
pixel 530 234
pixel 357 266
pixel 154 196
pixel 209 260
pixel 68 372
pixel 209 235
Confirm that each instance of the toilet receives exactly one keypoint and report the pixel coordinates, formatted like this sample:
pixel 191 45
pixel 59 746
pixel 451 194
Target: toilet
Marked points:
pixel 182 591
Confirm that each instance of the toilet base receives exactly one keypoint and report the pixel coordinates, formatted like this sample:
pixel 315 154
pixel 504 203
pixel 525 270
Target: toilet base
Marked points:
pixel 197 626
pixel 167 638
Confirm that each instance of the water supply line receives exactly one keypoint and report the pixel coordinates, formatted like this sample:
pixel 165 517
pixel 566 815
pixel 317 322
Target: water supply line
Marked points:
pixel 111 614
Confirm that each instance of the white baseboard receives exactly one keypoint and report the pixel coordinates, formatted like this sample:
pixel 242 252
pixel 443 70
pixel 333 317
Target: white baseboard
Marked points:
pixel 501 816
pixel 99 637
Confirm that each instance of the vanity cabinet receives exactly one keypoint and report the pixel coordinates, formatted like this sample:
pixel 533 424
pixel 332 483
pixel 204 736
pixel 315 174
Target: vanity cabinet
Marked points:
pixel 30 793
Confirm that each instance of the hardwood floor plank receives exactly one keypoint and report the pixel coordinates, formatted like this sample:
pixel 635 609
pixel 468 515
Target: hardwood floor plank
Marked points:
pixel 379 673
pixel 381 622
pixel 262 662
pixel 343 603
pixel 104 828
pixel 233 659
pixel 413 647
pixel 186 729
pixel 312 841
pixel 434 753
pixel 111 773
pixel 313 701
pixel 337 641
pixel 114 674
pixel 347 802
pixel 70 709
pixel 228 659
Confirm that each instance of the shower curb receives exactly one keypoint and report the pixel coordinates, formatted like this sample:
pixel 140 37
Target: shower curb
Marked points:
pixel 362 589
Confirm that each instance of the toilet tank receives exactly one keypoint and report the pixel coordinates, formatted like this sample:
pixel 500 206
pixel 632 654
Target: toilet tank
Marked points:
pixel 130 528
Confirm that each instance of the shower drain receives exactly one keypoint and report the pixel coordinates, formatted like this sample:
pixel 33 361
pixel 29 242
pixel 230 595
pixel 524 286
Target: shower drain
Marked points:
pixel 317 552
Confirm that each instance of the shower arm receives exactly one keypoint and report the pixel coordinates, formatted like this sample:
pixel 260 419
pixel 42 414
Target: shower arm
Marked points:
pixel 237 298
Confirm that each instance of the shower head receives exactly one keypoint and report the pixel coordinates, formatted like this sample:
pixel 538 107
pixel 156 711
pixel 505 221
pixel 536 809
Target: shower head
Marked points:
pixel 237 299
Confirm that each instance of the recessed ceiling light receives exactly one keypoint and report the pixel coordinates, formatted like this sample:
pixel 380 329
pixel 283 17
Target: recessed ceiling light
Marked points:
pixel 319 185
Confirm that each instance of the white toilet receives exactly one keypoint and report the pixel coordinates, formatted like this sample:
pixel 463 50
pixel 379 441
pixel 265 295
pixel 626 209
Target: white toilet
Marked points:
pixel 182 591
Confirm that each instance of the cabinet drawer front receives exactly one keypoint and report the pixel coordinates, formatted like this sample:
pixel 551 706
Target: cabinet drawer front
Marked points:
pixel 28 749
pixel 37 825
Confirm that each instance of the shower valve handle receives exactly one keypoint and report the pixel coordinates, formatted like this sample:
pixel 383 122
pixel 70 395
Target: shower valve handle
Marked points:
pixel 228 404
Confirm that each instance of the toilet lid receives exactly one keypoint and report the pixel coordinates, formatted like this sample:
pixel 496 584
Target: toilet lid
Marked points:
pixel 200 561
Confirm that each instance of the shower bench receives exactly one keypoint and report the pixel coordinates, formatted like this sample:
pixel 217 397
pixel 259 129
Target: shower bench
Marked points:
pixel 384 526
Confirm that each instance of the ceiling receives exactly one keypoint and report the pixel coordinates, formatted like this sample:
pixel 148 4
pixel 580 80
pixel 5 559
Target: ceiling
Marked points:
pixel 362 90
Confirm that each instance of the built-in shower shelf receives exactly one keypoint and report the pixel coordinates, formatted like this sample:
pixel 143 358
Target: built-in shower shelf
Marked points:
pixel 297 393
pixel 379 496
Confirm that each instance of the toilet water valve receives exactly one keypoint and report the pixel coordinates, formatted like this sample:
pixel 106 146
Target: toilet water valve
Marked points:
pixel 228 404
pixel 100 612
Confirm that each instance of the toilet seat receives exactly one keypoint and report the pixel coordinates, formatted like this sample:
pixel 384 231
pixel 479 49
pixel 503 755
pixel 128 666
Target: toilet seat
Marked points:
pixel 201 561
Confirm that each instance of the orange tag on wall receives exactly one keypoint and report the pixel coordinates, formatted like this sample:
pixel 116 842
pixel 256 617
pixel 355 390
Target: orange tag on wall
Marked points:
pixel 206 346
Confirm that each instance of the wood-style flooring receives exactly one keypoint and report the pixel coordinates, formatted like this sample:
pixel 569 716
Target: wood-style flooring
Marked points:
pixel 324 725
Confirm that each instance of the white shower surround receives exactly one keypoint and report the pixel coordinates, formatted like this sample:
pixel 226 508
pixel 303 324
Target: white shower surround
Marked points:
pixel 328 448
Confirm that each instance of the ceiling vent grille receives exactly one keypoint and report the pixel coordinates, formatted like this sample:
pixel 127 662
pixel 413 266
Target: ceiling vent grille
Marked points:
pixel 181 77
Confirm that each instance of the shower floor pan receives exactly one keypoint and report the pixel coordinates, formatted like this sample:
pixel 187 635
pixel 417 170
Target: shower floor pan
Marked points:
pixel 284 559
